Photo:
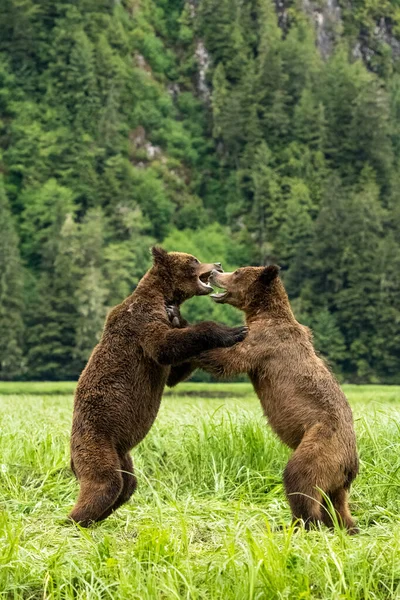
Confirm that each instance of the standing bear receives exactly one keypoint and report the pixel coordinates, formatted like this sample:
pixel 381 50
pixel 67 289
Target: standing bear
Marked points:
pixel 119 392
pixel 300 397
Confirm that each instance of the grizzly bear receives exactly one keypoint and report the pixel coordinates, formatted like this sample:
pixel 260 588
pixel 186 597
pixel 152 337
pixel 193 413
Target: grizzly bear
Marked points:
pixel 119 392
pixel 299 395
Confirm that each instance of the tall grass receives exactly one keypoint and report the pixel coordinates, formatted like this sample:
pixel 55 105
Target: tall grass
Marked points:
pixel 209 519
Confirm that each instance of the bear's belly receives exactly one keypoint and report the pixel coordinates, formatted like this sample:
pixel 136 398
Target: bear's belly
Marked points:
pixel 288 418
pixel 143 404
pixel 120 404
pixel 289 431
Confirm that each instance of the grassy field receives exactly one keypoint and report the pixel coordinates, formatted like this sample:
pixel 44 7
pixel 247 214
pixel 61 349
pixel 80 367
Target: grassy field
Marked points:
pixel 205 521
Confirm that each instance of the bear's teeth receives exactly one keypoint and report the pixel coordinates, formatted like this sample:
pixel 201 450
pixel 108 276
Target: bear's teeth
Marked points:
pixel 205 286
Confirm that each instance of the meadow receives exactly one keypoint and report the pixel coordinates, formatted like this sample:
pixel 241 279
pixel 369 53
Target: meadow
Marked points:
pixel 209 519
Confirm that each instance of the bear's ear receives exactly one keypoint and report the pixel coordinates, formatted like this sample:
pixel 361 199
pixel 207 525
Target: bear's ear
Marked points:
pixel 269 274
pixel 160 256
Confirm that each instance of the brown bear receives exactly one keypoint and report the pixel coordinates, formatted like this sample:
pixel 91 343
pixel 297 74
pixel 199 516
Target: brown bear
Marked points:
pixel 119 392
pixel 299 395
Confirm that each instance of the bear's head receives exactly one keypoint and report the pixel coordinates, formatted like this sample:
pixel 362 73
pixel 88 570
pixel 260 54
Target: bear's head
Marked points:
pixel 247 288
pixel 184 274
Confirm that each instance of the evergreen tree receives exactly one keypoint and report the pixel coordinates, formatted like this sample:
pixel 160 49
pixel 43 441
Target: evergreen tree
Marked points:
pixel 387 338
pixel 52 315
pixel 346 263
pixel 219 101
pixel 262 188
pixel 338 90
pixel 328 338
pixel 44 214
pixel 220 21
pixel 309 120
pixel 271 95
pixel 371 130
pixel 81 82
pixel 91 293
pixel 296 224
pixel 11 295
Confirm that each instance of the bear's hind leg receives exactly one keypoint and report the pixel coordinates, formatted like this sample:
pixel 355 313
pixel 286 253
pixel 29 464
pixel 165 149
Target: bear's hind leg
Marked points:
pixel 129 485
pixel 100 478
pixel 308 472
pixel 129 481
pixel 340 503
pixel 303 497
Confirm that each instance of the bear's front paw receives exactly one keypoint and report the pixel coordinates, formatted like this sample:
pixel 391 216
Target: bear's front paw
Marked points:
pixel 234 335
pixel 174 316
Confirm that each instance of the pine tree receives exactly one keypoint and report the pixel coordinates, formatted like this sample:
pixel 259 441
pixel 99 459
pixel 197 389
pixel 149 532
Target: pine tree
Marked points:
pixel 328 338
pixel 220 21
pixel 339 88
pixel 296 226
pixel 90 296
pixel 271 84
pixel 345 268
pixel 309 120
pixel 219 100
pixel 370 133
pixel 11 295
pixel 126 261
pixel 261 187
pixel 45 210
pixel 81 83
pixel 387 337
pixel 20 35
pixel 72 74
pixel 91 293
pixel 52 314
pixel 295 236
pixel 301 59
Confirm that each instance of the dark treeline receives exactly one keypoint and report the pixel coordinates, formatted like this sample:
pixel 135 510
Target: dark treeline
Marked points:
pixel 218 127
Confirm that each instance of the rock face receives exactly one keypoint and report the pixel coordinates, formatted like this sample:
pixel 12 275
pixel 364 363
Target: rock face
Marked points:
pixel 137 138
pixel 203 60
pixel 328 23
pixel 369 45
pixel 281 7
pixel 328 20
pixel 383 32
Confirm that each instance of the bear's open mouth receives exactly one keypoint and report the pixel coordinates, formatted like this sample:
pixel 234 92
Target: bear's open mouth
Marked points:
pixel 204 283
pixel 204 277
pixel 218 296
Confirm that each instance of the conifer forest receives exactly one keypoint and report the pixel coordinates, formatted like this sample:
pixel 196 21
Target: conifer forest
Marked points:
pixel 247 132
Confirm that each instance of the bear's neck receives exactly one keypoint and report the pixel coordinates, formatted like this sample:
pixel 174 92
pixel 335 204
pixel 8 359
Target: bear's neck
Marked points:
pixel 157 286
pixel 273 303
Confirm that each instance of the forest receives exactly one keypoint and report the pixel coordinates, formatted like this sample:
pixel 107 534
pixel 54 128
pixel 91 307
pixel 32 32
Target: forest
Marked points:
pixel 249 132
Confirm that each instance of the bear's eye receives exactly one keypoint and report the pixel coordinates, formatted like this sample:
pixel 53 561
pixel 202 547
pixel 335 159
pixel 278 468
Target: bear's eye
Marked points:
pixel 196 262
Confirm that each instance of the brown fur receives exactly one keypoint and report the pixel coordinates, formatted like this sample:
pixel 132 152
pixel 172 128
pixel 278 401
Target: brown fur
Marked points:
pixel 300 397
pixel 119 392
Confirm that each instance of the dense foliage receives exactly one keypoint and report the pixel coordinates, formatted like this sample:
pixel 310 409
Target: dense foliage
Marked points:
pixel 214 127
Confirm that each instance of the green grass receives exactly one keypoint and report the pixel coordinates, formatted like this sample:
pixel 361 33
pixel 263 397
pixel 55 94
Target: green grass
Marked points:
pixel 367 393
pixel 205 520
